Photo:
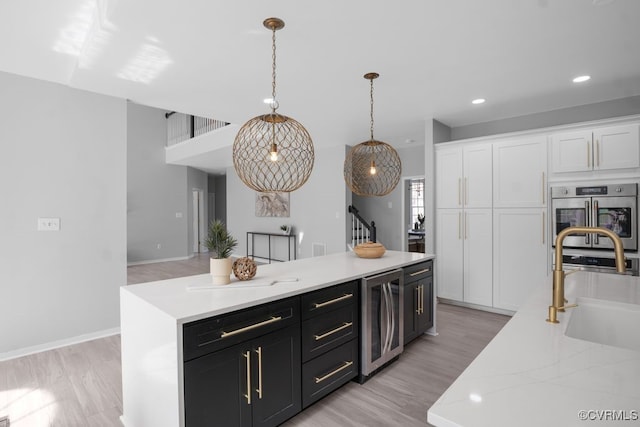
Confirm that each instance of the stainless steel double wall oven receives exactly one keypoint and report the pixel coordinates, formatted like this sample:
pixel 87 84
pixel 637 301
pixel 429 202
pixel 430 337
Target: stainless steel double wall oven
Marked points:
pixel 613 206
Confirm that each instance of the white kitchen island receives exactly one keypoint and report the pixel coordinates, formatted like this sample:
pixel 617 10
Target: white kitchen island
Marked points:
pixel 153 315
pixel 532 374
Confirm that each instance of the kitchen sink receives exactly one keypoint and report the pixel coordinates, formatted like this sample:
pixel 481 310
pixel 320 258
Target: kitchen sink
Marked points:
pixel 606 322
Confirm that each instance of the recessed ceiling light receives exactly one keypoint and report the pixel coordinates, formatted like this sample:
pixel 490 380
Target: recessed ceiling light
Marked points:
pixel 475 397
pixel 581 79
pixel 267 100
pixel 478 101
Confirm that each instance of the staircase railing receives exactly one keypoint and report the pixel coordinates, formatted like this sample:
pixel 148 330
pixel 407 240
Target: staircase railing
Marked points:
pixel 361 230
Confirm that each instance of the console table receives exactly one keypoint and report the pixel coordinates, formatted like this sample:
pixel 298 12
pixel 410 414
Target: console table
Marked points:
pixel 251 249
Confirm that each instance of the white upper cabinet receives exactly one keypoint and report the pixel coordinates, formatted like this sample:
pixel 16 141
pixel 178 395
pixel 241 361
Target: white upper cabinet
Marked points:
pixel 614 147
pixel 448 164
pixel 476 181
pixel 520 173
pixel 463 176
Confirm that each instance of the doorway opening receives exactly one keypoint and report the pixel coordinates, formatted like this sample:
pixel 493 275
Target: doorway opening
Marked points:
pixel 413 211
pixel 198 220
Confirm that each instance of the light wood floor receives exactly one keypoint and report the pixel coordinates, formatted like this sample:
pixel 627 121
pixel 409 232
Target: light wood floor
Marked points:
pixel 198 264
pixel 80 385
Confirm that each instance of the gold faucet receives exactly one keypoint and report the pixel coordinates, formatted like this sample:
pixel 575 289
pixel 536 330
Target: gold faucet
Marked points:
pixel 558 302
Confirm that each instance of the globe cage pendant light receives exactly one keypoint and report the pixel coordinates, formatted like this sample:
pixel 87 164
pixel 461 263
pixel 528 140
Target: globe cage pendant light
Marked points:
pixel 273 152
pixel 372 168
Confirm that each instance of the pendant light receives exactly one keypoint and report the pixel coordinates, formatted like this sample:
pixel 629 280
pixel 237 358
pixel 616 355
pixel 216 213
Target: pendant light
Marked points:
pixel 272 152
pixel 372 168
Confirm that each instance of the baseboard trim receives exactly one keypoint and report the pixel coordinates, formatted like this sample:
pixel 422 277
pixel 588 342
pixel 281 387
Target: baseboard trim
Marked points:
pixel 155 261
pixel 477 307
pixel 14 354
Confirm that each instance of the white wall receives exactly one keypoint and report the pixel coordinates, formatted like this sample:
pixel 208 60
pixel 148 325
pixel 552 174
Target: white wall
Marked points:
pixel 63 156
pixel 317 208
pixel 156 191
pixel 386 211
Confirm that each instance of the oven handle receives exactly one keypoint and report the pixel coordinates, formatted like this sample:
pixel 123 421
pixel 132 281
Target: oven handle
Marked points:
pixel 594 220
pixel 587 212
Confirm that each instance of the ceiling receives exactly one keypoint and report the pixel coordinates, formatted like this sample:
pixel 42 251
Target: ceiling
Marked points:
pixel 212 58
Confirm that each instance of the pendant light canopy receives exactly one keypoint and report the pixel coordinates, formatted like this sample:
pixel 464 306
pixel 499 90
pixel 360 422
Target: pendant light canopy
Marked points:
pixel 272 152
pixel 372 168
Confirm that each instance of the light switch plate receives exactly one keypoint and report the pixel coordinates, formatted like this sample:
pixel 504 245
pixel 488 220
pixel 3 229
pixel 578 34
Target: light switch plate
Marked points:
pixel 48 224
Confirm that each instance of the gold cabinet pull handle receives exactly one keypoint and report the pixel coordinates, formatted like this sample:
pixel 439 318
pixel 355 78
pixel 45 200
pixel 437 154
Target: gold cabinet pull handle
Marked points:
pixel 421 299
pixel 322 304
pixel 424 270
pixel 345 365
pixel 333 331
pixel 259 389
pixel 418 299
pixel 466 191
pixel 597 152
pixel 465 226
pixel 248 328
pixel 459 191
pixel 247 356
pixel 588 154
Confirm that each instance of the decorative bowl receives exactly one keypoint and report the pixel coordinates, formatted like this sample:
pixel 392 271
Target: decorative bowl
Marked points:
pixel 369 250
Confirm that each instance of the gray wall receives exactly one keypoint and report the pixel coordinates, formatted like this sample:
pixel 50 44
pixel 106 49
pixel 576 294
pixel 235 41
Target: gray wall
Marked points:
pixel 317 208
pixel 388 218
pixel 64 156
pixel 601 110
pixel 218 187
pixel 441 132
pixel 156 191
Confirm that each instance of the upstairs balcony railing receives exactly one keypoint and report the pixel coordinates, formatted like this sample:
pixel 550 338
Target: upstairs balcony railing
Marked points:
pixel 182 127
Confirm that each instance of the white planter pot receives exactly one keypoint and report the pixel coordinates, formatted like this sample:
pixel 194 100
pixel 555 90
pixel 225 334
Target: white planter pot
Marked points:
pixel 220 271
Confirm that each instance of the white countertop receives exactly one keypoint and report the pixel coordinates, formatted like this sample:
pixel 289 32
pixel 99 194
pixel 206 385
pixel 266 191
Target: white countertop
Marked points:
pixel 531 374
pixel 174 298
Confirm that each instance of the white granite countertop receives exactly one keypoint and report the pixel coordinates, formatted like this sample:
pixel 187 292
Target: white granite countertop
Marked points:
pixel 176 297
pixel 532 374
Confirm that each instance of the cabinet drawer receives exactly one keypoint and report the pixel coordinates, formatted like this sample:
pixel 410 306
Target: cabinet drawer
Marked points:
pixel 326 373
pixel 324 300
pixel 328 330
pixel 418 271
pixel 205 336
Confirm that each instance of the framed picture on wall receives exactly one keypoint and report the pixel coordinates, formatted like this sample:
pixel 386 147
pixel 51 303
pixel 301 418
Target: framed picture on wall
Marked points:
pixel 272 204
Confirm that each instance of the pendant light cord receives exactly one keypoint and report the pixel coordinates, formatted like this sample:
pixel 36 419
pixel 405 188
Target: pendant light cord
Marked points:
pixel 371 92
pixel 274 103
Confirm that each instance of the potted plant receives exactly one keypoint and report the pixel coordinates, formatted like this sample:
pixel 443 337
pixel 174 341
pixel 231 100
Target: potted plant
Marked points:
pixel 220 244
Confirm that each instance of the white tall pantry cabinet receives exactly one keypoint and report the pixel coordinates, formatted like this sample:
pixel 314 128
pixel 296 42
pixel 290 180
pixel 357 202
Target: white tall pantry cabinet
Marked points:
pixel 463 223
pixel 491 200
pixel 520 238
